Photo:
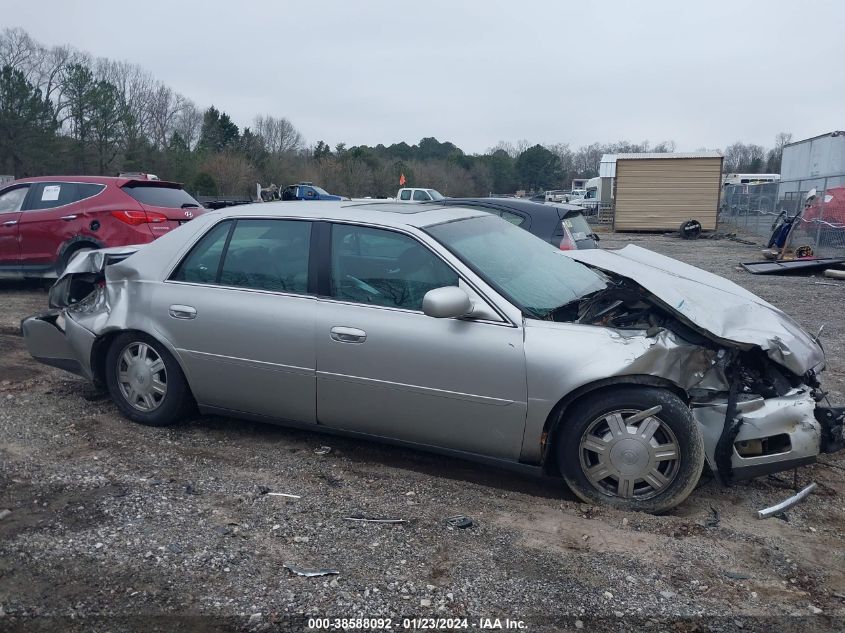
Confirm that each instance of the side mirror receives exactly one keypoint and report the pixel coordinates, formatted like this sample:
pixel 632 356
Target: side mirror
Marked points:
pixel 448 302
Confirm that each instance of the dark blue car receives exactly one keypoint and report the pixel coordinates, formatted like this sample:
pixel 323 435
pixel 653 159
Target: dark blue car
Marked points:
pixel 563 225
pixel 308 191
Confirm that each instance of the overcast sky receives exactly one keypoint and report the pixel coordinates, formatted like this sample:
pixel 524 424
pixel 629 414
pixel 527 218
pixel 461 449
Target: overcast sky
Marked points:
pixel 703 74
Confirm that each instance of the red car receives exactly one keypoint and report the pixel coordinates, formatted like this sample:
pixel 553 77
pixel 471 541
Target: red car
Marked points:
pixel 828 206
pixel 44 221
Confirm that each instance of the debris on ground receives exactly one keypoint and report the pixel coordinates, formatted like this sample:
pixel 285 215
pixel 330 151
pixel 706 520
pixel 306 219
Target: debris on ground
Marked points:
pixel 310 573
pixel 5 513
pixel 364 519
pixel 713 519
pixel 459 521
pixel 322 450
pixel 780 508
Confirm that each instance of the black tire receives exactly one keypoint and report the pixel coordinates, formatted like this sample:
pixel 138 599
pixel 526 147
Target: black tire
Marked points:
pixel 674 425
pixel 690 230
pixel 172 406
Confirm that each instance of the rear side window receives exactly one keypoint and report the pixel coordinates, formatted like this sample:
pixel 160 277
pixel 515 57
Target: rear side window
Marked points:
pixel 88 190
pixel 268 255
pixel 513 218
pixel 203 262
pixel 405 195
pixel 159 196
pixel 11 200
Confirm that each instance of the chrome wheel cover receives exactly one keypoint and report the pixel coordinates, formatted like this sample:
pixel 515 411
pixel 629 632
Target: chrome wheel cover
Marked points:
pixel 141 376
pixel 628 458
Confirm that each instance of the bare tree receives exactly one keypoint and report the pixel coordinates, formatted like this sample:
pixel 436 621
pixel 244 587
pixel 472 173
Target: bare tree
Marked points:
pixel 19 50
pixel 189 123
pixel 277 134
pixel 233 173
pixel 164 106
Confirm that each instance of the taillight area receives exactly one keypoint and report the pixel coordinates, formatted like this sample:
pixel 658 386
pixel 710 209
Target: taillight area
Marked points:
pixel 136 218
pixel 565 235
pixel 567 244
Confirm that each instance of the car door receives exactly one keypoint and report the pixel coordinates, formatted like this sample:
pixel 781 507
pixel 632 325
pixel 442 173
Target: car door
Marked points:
pixel 11 203
pixel 238 311
pixel 386 369
pixel 52 216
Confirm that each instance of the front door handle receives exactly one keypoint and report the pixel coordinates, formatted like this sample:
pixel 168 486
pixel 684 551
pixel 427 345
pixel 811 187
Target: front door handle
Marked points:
pixel 183 312
pixel 348 335
pixel 68 218
pixel 10 223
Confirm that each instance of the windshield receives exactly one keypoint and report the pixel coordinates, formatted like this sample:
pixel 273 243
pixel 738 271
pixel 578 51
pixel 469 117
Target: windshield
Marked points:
pixel 322 191
pixel 531 273
pixel 435 195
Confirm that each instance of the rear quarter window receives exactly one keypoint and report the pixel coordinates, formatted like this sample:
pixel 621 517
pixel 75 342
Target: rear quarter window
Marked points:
pixel 158 196
pixel 202 263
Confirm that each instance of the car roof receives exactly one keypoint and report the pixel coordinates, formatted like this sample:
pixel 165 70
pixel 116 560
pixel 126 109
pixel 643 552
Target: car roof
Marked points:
pixel 98 180
pixel 518 204
pixel 376 212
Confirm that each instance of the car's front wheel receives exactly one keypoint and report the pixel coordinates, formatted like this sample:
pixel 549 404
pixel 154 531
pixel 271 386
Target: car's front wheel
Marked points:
pixel 631 448
pixel 145 381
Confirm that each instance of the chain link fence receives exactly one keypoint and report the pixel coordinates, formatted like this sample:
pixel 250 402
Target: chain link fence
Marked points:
pixel 817 226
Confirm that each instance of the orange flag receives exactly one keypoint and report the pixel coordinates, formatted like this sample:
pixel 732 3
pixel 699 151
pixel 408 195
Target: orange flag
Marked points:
pixel 402 180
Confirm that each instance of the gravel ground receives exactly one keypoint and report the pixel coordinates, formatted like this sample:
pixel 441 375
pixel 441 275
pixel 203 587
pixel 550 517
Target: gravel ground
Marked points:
pixel 115 526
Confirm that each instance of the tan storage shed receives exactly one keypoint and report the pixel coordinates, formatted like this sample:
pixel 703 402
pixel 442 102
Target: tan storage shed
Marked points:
pixel 659 192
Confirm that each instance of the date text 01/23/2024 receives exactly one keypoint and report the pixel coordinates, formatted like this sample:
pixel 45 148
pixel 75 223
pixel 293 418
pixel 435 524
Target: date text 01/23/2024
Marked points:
pixel 386 624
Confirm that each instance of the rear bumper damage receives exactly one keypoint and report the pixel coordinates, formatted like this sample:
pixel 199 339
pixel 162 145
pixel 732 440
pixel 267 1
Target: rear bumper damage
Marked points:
pixel 54 339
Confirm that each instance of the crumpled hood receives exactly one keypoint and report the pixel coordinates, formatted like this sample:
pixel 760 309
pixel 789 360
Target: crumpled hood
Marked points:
pixel 712 304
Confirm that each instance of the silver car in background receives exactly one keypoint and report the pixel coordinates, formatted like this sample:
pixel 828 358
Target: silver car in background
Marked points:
pixel 452 330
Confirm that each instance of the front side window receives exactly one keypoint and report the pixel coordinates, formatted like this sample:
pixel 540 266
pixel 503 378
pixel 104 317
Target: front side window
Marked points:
pixel 268 255
pixel 384 268
pixel 421 195
pixel 12 200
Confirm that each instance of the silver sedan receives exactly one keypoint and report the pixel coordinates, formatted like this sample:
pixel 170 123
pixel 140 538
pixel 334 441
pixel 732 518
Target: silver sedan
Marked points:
pixel 451 330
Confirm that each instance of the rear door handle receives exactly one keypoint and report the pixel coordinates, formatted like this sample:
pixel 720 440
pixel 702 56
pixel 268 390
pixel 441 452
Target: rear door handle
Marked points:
pixel 348 335
pixel 10 223
pixel 68 218
pixel 183 312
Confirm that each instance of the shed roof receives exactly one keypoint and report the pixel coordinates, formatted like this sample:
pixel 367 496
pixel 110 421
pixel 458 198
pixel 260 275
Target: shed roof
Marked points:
pixel 607 168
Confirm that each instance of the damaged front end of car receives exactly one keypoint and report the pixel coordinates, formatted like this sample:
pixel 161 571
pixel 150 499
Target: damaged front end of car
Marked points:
pixel 750 371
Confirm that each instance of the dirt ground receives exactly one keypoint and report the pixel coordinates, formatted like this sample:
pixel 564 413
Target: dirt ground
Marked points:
pixel 114 526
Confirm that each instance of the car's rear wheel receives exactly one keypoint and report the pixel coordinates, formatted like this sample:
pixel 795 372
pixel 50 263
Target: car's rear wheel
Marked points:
pixel 619 449
pixel 145 381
